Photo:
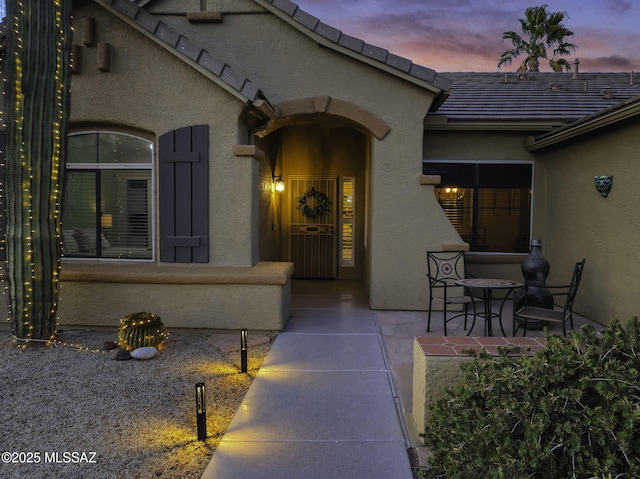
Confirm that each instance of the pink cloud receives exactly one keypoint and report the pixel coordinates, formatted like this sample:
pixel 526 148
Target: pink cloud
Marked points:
pixel 466 35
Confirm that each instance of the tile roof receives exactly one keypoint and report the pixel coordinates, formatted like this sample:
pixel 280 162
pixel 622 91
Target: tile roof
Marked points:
pixel 133 10
pixel 554 97
pixel 586 125
pixel 159 30
pixel 359 47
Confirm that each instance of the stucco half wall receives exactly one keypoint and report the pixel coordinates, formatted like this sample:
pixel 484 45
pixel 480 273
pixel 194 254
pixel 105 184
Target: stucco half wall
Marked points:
pixel 184 296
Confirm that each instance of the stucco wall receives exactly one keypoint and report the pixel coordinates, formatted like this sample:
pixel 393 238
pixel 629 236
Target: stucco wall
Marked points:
pixel 582 224
pixel 287 65
pixel 148 89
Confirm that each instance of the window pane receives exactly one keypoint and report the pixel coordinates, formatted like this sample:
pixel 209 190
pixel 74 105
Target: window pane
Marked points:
pixel 113 148
pixel 495 175
pixel 489 204
pixel 126 216
pixel 503 220
pixel 452 174
pixel 82 149
pixel 107 211
pixel 457 204
pixel 79 214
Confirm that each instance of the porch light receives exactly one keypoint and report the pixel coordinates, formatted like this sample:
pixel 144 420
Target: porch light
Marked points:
pixel 243 350
pixel 278 182
pixel 201 412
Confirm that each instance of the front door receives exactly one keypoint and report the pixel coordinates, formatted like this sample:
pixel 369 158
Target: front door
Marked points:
pixel 312 238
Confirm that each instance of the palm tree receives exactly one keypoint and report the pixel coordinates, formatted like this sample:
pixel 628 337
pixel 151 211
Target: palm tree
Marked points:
pixel 544 30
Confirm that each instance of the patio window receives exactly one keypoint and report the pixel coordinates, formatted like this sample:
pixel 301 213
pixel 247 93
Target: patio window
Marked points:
pixel 107 206
pixel 488 203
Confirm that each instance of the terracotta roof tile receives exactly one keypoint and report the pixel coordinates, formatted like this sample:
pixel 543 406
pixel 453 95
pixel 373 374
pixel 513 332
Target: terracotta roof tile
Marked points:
pixel 306 19
pixel 211 63
pixel 167 34
pixel 328 32
pixel 401 63
pixel 353 43
pixel 146 20
pixel 232 78
pixel 125 7
pixel 189 49
pixel 374 52
pixel 286 6
pixel 425 73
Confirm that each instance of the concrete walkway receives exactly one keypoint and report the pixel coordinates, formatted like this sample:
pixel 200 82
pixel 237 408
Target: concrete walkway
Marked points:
pixel 323 405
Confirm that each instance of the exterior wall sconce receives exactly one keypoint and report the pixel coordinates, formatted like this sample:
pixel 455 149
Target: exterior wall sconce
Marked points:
pixel 603 184
pixel 201 412
pixel 278 182
pixel 243 350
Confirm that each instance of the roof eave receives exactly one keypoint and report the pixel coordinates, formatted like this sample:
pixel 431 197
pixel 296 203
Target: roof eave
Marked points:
pixel 247 93
pixel 442 123
pixel 589 124
pixel 437 84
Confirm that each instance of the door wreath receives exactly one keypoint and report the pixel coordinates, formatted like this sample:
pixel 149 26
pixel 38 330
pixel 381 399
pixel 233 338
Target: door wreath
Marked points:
pixel 322 207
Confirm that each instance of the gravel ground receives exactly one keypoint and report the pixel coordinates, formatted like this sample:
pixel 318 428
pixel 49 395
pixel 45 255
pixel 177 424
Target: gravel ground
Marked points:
pixel 131 419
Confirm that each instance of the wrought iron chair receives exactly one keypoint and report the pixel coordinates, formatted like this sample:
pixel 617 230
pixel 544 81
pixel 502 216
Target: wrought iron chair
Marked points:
pixel 532 313
pixel 443 269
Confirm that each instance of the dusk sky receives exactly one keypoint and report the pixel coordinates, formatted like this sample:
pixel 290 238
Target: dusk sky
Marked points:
pixel 466 35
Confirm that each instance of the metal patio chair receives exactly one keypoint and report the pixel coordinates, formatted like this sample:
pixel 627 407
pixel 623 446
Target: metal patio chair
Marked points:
pixel 532 313
pixel 443 269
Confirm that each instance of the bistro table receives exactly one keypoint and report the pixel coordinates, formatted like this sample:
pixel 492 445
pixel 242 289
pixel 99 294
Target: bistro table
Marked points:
pixel 488 285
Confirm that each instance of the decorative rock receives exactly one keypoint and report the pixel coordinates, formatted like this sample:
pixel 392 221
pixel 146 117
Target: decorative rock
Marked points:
pixel 146 352
pixel 109 345
pixel 120 354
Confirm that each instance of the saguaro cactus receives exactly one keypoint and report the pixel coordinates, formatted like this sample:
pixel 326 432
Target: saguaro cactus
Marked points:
pixel 37 65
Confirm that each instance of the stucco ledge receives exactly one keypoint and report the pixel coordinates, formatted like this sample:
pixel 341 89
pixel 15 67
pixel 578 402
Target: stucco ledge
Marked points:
pixel 430 179
pixel 263 273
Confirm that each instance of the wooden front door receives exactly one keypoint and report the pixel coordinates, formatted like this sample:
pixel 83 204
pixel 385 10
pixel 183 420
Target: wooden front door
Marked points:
pixel 312 238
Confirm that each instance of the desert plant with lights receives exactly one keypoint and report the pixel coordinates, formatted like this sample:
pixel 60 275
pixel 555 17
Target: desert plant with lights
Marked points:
pixel 141 329
pixel 37 72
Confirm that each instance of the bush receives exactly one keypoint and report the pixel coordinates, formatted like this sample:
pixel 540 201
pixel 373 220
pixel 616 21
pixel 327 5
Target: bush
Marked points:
pixel 570 411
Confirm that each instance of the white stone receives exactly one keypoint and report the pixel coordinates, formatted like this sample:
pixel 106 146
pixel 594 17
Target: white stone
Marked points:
pixel 146 352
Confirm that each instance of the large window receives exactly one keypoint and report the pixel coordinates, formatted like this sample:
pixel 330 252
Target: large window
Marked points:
pixel 488 203
pixel 107 207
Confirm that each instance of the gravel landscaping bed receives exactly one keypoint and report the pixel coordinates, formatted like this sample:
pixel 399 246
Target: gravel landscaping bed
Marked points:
pixel 72 412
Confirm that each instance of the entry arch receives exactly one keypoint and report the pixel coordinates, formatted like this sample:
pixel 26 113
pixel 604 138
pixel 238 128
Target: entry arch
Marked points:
pixel 289 110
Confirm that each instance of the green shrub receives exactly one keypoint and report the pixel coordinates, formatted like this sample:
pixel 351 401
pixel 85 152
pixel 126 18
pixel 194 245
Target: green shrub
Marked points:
pixel 570 411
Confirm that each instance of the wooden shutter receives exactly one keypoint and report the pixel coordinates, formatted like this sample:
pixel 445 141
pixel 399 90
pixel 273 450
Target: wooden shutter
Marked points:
pixel 184 195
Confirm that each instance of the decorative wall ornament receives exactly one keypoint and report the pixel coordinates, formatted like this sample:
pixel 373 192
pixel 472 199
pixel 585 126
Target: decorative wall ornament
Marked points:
pixel 603 184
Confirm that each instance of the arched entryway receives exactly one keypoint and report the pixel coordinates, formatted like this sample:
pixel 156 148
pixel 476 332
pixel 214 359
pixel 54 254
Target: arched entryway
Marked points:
pixel 321 148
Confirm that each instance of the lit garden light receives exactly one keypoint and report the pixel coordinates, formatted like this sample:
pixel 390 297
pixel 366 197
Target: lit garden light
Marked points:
pixel 243 350
pixel 201 412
